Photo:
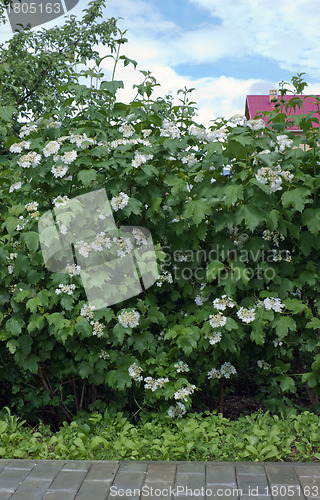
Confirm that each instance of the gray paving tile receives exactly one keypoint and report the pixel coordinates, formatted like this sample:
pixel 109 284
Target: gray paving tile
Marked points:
pixel 5 494
pixel 161 472
pixel 102 471
pixel 222 491
pixel 77 465
pixel 128 480
pixel 221 474
pixel 3 463
pixel 190 481
pixel 133 466
pixel 281 474
pixel 310 486
pixel 31 490
pixel 250 468
pixel 251 483
pixel 21 464
pixel 307 470
pixel 10 479
pixel 191 467
pixel 246 497
pixel 68 480
pixel 58 495
pixel 44 470
pixel 157 491
pixel 96 490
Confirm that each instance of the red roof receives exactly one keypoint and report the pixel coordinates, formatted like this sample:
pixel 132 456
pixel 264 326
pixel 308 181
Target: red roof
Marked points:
pixel 256 103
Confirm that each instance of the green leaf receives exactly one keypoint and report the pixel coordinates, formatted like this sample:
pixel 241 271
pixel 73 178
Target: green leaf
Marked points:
pixel 112 86
pixel 83 327
pixel 31 239
pixel 257 335
pixel 283 325
pixel 232 194
pixel 297 198
pixel 286 383
pixel 33 304
pixel 250 214
pixel 311 218
pixel 87 176
pixel 314 323
pixel 14 326
pixel 213 269
pixel 36 322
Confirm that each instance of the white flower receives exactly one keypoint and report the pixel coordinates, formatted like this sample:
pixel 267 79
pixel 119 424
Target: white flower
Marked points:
pixel 120 201
pixel 140 158
pixel 129 319
pixel 32 207
pixel 227 369
pixel 139 237
pixel 177 411
pixel 189 160
pixel 277 342
pixel 246 315
pixel 199 300
pixel 59 171
pixel 51 148
pixel 181 367
pixel 19 146
pixel 54 124
pixel 68 289
pixel 273 303
pixel 27 129
pixel 98 328
pixel 272 175
pixel 135 372
pixel 153 384
pixel 83 248
pixel 29 160
pixel 214 337
pixel 198 178
pixel 124 246
pixel 103 354
pixel 87 311
pixel 184 392
pixel 127 130
pixel 238 119
pixel 288 176
pixel 223 303
pixel 217 320
pixel 15 187
pixel 214 373
pixel 146 132
pixel 61 201
pixel 169 129
pixel 263 364
pixel 283 143
pixel 68 157
pixel 256 124
pixel 10 269
pixel 82 141
pixel 198 132
pixel 165 277
pixel 73 270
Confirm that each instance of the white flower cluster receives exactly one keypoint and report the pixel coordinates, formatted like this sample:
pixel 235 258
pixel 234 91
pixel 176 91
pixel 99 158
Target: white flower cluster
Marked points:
pixel 32 207
pixel 124 246
pixel 87 311
pixel 283 143
pixel 102 241
pixel 140 158
pixel 154 384
pixel 278 257
pixel 238 120
pixel 226 370
pixel 263 364
pixel 29 160
pixel 217 320
pixel 81 140
pixel 51 148
pixel 139 237
pixel 120 201
pixel 273 303
pixel 277 342
pixel 135 372
pixel 68 289
pixel 170 129
pixel 19 226
pixel 98 328
pixel 67 157
pixel 27 129
pixel 246 315
pixel 177 411
pixel 220 135
pixel 272 235
pixel 189 159
pixel 166 277
pixel 223 303
pixel 19 146
pixel 73 270
pixel 127 130
pixel 199 300
pixel 273 176
pixel 104 354
pixel 256 125
pixel 198 178
pixel 15 187
pixel 181 367
pixel 214 337
pixel 59 171
pixel 146 132
pixel 184 392
pixel 61 201
pixel 129 319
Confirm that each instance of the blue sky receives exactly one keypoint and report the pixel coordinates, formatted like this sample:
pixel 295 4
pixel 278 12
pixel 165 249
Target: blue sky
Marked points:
pixel 224 49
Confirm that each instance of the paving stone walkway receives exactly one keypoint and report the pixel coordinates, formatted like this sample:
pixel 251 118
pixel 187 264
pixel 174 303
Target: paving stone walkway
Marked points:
pixel 130 480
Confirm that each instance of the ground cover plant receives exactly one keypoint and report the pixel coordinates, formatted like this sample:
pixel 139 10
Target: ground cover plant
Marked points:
pixel 207 437
pixel 234 214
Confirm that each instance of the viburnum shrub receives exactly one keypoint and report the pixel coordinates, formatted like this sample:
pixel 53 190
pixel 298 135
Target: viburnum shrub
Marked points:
pixel 234 214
